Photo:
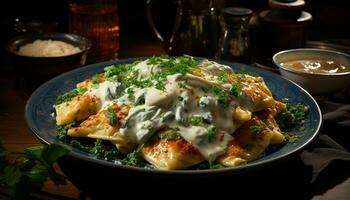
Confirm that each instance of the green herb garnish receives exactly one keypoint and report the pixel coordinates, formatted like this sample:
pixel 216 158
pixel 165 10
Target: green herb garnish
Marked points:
pixel 95 81
pixel 205 89
pixel 256 129
pixel 27 171
pixel 235 90
pixel 70 95
pixel 291 116
pixel 196 120
pixel 112 117
pixel 223 76
pixel 221 96
pixel 104 151
pixel 210 165
pixel 211 133
pixel 134 159
pixel 169 135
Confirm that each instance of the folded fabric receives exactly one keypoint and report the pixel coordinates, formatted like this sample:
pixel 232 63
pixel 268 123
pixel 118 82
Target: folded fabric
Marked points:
pixel 326 149
pixel 340 116
pixel 320 157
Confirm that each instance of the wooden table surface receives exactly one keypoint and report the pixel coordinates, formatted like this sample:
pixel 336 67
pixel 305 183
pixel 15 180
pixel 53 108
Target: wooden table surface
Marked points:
pixel 16 136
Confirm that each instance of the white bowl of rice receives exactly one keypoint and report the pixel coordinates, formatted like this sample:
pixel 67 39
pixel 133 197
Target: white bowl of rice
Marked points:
pixel 48 48
pixel 43 56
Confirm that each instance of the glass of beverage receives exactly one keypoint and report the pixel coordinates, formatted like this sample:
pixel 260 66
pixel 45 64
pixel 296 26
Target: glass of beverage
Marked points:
pixel 98 21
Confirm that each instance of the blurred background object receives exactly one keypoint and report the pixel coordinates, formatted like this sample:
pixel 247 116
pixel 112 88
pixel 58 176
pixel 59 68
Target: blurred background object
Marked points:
pixel 195 28
pixel 329 23
pixel 31 71
pixel 234 38
pixel 284 26
pixel 97 20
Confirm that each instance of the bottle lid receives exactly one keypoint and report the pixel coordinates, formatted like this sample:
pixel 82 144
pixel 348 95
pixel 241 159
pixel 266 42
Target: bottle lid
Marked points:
pixel 236 11
pixel 287 4
pixel 278 17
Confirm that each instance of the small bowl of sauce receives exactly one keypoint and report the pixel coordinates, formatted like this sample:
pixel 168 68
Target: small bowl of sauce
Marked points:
pixel 316 66
pixel 319 71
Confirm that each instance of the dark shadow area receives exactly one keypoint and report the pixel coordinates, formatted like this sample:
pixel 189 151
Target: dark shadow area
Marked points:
pixel 289 179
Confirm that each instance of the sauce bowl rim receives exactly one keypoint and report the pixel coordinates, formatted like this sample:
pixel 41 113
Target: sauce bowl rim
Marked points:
pixel 274 59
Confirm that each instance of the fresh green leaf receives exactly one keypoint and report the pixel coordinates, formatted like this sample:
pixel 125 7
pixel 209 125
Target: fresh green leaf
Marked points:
pixel 209 165
pixel 223 76
pixel 169 135
pixel 70 95
pixel 95 81
pixel 28 170
pixel 112 117
pixel 196 120
pixel 51 153
pixel 140 101
pixel 134 159
pixel 11 176
pixel 37 176
pixel 62 132
pixel 34 153
pixel 211 132
pixel 221 96
pixel 256 129
pixel 104 151
pixel 22 189
pixel 205 89
pixel 291 116
pixel 130 91
pixel 214 165
pixel 235 90
pixel 77 144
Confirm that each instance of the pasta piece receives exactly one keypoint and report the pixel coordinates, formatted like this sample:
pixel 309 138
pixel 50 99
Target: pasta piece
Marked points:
pixel 241 115
pixel 88 82
pixel 256 96
pixel 251 140
pixel 170 154
pixel 99 127
pixel 79 108
pixel 277 108
pixel 123 145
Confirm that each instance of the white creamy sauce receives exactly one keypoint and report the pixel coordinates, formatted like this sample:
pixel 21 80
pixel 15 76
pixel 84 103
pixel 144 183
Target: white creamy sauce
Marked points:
pixel 105 92
pixel 145 70
pixel 198 137
pixel 141 123
pixel 174 108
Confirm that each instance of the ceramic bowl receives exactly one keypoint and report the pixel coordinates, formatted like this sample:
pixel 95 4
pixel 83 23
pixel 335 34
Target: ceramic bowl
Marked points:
pixel 44 68
pixel 315 83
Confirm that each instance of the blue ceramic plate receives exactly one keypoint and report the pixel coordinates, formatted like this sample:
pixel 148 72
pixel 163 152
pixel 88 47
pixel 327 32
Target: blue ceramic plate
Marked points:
pixel 40 106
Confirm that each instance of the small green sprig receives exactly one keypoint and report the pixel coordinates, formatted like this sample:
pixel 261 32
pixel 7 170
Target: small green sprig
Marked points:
pixel 27 171
pixel 292 116
pixel 112 117
pixel 70 95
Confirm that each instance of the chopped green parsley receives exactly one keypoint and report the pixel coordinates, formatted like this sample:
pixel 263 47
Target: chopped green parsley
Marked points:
pixel 211 132
pixel 112 117
pixel 70 95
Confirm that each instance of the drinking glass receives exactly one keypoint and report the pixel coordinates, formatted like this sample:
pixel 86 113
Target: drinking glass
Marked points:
pixel 98 21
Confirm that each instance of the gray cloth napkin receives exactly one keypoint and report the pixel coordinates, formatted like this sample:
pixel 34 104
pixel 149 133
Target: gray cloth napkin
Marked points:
pixel 326 150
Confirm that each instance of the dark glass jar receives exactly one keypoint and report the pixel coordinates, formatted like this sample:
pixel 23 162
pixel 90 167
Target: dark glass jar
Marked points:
pixel 234 40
